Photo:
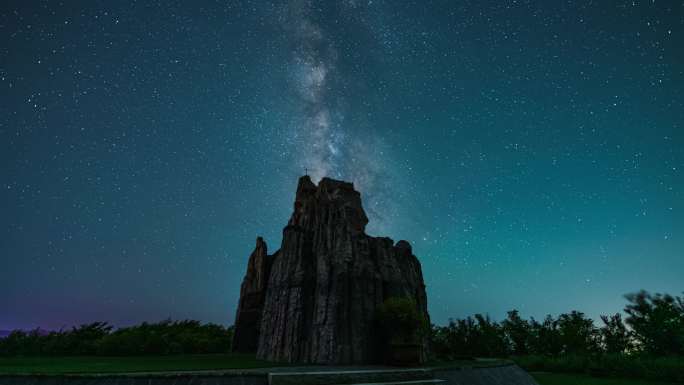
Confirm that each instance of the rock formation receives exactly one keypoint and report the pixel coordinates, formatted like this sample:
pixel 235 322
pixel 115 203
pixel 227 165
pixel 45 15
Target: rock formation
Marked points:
pixel 252 294
pixel 323 286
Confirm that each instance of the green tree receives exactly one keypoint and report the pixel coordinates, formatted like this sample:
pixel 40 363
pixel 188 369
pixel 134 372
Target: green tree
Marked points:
pixel 490 338
pixel 546 339
pixel 657 321
pixel 615 336
pixel 517 331
pixel 578 334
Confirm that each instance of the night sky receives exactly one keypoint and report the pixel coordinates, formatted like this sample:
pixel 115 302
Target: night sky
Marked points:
pixel 532 152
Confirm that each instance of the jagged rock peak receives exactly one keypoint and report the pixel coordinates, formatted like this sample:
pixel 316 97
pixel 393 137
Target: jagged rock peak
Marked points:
pixel 259 263
pixel 332 201
pixel 305 188
pixel 252 295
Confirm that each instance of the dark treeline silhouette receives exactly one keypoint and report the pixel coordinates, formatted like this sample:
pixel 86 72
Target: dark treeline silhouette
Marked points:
pixel 99 338
pixel 648 343
pixel 654 326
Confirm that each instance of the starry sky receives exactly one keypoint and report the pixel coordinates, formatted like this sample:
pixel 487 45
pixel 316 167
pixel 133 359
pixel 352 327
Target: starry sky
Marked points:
pixel 532 152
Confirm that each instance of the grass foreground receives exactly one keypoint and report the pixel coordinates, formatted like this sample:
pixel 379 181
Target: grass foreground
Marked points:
pixel 133 364
pixel 171 363
pixel 583 379
pixel 95 364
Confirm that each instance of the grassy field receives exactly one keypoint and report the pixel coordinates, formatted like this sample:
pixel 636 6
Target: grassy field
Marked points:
pixel 616 366
pixel 580 379
pixel 96 364
pixel 62 365
pixel 67 365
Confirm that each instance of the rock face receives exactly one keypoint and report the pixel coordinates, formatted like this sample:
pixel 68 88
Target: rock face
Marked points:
pixel 325 283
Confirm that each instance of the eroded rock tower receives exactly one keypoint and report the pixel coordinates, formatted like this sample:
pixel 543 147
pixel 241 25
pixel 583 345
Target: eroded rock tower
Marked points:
pixel 314 300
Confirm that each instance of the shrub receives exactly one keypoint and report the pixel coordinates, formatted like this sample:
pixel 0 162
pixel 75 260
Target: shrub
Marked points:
pixel 614 365
pixel 400 318
pixel 469 337
pixel 162 338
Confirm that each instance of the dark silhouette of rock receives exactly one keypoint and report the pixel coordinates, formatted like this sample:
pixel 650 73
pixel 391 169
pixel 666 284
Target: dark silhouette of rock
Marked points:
pixel 325 282
pixel 252 294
